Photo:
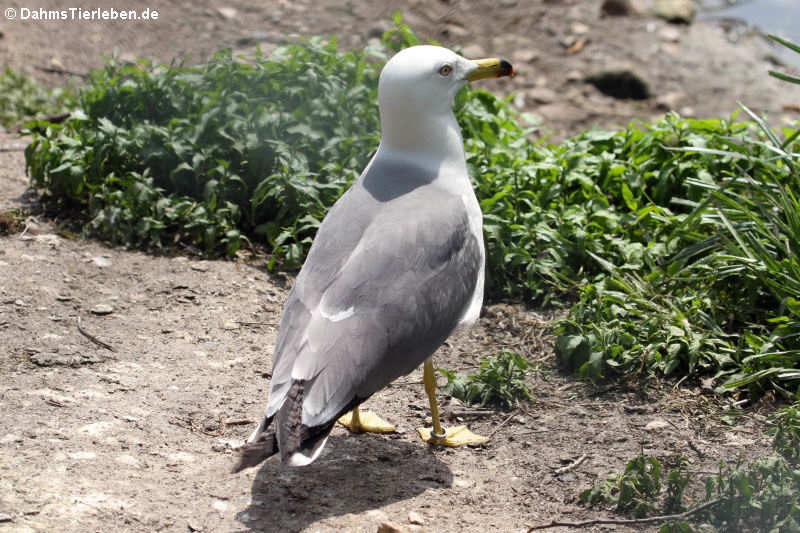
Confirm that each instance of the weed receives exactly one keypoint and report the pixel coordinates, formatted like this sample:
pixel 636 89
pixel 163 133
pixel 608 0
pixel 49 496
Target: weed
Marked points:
pixel 22 98
pixel 500 382
pixel 761 496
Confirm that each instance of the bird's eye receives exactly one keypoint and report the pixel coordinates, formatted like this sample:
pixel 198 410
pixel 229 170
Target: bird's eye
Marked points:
pixel 446 70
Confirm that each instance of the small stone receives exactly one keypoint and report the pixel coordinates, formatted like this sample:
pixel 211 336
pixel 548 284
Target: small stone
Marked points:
pixel 181 457
pixel 10 437
pixel 415 518
pixel 456 30
pixel 542 95
pixel 670 34
pixel 669 101
pixel 528 55
pixel 676 11
pixel 463 483
pixel 127 460
pixel 574 76
pixel 230 325
pixel 5 517
pixel 389 527
pixel 656 425
pixel 579 28
pixel 102 309
pixel 102 262
pixel 83 455
pixel 228 13
pixel 473 51
pixel 220 506
pixel 199 267
pixel 378 515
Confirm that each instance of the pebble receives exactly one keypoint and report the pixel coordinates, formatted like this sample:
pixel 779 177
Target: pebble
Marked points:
pixel 542 95
pixel 473 51
pixel 10 437
pixel 670 34
pixel 389 527
pixel 102 262
pixel 102 309
pixel 579 28
pixel 415 518
pixel 676 11
pixel 127 459
pixel 656 425
pixel 378 515
pixel 230 325
pixel 220 506
pixel 227 12
pixel 5 517
pixel 83 455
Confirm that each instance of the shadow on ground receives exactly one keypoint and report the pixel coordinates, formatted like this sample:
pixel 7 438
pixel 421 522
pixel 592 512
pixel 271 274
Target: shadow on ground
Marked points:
pixel 356 473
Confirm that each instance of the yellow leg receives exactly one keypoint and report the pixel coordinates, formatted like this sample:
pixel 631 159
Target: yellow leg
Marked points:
pixel 366 422
pixel 453 437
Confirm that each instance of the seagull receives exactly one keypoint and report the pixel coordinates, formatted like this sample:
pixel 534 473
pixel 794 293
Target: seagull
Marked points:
pixel 396 266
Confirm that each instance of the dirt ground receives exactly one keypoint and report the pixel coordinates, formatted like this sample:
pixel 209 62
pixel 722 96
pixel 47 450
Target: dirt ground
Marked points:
pixel 139 436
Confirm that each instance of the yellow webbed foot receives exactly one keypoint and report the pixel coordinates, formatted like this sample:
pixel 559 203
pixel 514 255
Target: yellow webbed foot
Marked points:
pixel 454 437
pixel 365 422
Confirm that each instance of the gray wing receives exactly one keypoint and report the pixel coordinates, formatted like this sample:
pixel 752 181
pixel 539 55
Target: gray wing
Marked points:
pixel 384 284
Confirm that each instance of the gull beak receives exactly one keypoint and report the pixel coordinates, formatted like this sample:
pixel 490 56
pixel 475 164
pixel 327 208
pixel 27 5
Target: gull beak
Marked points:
pixel 492 67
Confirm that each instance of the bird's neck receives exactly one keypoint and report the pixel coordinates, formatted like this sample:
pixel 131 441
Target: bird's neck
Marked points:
pixel 436 142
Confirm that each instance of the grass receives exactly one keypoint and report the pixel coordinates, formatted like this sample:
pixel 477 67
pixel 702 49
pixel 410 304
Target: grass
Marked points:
pixel 673 243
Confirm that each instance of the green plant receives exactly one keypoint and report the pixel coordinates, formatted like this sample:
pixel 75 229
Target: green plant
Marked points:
pixel 213 156
pixel 787 433
pixel 500 382
pixel 790 46
pixel 638 487
pixel 22 98
pixel 723 298
pixel 761 496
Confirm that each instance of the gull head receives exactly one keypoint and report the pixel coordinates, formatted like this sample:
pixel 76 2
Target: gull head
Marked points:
pixel 417 87
pixel 426 78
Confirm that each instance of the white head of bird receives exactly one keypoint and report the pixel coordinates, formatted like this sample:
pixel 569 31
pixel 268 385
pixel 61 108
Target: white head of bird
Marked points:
pixel 416 91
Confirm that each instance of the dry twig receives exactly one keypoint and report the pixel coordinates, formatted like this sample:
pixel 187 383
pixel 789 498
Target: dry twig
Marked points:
pixel 503 423
pixel 628 521
pixel 93 338
pixel 571 466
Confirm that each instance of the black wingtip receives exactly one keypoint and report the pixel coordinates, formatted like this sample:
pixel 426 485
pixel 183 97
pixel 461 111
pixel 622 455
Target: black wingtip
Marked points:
pixel 254 453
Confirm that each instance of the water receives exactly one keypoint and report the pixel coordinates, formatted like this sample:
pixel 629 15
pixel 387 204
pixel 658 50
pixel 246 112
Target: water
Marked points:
pixel 780 17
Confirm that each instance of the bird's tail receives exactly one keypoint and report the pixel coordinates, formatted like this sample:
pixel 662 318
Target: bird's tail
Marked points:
pixel 256 450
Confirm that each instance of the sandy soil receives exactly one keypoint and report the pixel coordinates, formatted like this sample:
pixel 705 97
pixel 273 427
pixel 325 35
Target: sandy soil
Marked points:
pixel 139 437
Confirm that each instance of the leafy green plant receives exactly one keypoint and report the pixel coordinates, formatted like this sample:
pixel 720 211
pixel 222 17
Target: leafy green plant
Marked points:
pixel 722 299
pixel 500 382
pixel 761 496
pixel 787 433
pixel 638 487
pixel 22 98
pixel 212 156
